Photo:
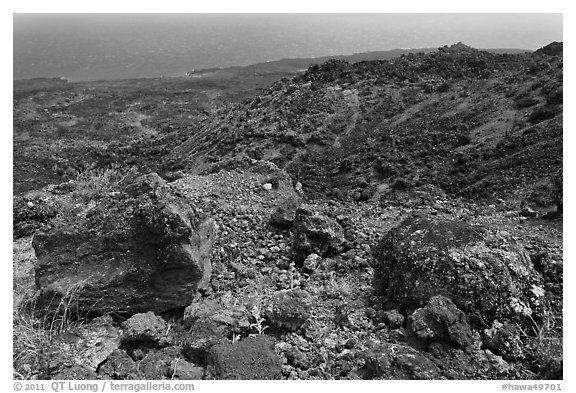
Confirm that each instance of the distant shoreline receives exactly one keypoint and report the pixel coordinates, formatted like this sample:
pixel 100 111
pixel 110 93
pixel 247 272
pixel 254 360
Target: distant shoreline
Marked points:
pixel 283 64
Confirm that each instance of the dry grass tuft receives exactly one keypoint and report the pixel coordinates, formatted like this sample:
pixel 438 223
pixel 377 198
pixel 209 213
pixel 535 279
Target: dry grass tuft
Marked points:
pixel 97 183
pixel 32 332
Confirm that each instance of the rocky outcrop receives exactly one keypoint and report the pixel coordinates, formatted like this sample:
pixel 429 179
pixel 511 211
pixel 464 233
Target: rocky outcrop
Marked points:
pixel 31 212
pixel 147 249
pixel 393 361
pixel 144 327
pixel 504 339
pixel 119 365
pixel 483 271
pixel 214 319
pixel 315 233
pixel 440 321
pixel 289 309
pixel 285 213
pixel 251 358
pixel 85 346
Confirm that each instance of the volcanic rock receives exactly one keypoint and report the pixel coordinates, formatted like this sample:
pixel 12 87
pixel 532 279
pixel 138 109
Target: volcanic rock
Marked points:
pixel 119 365
pixel 285 213
pixel 213 318
pixel 315 233
pixel 181 369
pixel 76 372
pixel 157 365
pixel 149 253
pixel 481 270
pixel 289 309
pixel 251 358
pixel 86 345
pixel 144 327
pixel 393 361
pixel 441 321
pixel 504 339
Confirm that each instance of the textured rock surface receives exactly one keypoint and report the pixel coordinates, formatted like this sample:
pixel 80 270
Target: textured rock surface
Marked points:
pixel 215 319
pixel 392 361
pixel 87 345
pixel 129 254
pixel 481 270
pixel 315 233
pixel 76 372
pixel 157 365
pixel 504 339
pixel 285 214
pixel 289 309
pixel 251 358
pixel 144 327
pixel 119 365
pixel 181 369
pixel 441 321
pixel 31 212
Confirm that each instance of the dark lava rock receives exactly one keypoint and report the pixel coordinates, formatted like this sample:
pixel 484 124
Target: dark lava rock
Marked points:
pixel 76 372
pixel 213 318
pixel 87 345
pixel 30 213
pixel 119 365
pixel 197 345
pixel 553 369
pixel 298 358
pixel 441 321
pixel 181 369
pixel 457 364
pixel 311 263
pixel 289 309
pixel 144 184
pixel 144 327
pixel 504 339
pixel 393 318
pixel 210 323
pixel 481 270
pixel 149 253
pixel 315 233
pixel 251 358
pixel 393 361
pixel 285 213
pixel 157 365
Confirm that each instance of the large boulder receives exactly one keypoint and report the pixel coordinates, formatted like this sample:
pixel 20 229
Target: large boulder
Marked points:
pixel 146 249
pixel 315 233
pixel 484 271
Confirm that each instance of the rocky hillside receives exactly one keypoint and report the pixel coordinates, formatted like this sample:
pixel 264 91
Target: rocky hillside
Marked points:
pixel 395 219
pixel 475 124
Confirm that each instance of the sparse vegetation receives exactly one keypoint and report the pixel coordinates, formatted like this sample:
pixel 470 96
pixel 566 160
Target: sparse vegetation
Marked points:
pixel 95 183
pixel 459 135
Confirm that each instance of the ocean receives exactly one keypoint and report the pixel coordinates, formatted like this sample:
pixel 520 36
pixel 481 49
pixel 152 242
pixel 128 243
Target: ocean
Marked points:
pixel 116 46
